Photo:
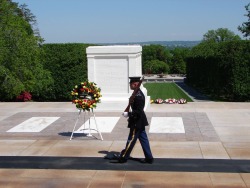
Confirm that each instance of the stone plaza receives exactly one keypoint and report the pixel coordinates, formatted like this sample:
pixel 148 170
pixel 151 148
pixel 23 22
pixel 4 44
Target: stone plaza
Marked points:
pixel 212 151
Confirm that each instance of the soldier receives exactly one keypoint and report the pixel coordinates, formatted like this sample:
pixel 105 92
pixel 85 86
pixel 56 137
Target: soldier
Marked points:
pixel 137 121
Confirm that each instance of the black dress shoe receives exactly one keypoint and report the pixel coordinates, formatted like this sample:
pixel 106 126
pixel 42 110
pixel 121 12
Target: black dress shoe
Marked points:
pixel 116 156
pixel 122 160
pixel 150 161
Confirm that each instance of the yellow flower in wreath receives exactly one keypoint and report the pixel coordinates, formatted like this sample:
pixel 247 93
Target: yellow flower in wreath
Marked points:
pixel 86 95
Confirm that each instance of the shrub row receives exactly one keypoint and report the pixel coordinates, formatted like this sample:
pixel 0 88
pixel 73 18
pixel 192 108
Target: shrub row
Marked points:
pixel 221 70
pixel 68 66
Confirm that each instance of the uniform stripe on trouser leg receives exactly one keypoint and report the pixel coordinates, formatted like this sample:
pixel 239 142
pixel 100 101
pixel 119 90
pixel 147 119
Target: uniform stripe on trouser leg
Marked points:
pixel 128 145
pixel 143 138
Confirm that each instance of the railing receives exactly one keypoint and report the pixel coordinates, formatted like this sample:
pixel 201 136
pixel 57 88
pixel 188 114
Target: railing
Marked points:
pixel 163 78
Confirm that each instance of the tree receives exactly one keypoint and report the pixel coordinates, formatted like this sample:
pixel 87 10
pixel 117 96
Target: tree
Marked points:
pixel 220 35
pixel 68 66
pixel 20 53
pixel 178 63
pixel 205 49
pixel 154 52
pixel 156 67
pixel 245 27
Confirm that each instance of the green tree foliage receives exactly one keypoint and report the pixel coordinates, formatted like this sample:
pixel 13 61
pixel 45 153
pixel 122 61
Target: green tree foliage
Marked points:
pixel 175 59
pixel 220 35
pixel 235 60
pixel 245 27
pixel 156 67
pixel 10 86
pixel 20 54
pixel 68 65
pixel 205 49
pixel 178 61
pixel 154 52
pixel 223 72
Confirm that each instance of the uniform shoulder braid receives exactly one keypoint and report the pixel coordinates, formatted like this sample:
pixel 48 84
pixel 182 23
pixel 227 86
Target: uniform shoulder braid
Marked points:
pixel 139 93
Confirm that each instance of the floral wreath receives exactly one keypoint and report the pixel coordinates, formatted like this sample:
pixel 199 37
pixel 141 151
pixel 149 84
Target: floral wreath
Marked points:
pixel 86 95
pixel 169 101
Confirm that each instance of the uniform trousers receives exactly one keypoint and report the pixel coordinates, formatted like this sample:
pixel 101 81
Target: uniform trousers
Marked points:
pixel 135 134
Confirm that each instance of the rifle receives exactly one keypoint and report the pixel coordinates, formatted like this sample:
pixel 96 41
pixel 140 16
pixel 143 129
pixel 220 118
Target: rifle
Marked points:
pixel 133 95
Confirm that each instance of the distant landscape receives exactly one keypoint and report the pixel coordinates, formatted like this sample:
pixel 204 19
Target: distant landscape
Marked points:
pixel 169 44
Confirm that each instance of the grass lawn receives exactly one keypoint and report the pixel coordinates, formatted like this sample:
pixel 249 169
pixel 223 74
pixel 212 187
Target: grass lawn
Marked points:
pixel 165 91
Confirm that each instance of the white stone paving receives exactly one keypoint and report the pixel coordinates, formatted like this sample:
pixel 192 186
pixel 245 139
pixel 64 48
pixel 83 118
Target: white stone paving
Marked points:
pixel 34 124
pixel 105 125
pixel 166 125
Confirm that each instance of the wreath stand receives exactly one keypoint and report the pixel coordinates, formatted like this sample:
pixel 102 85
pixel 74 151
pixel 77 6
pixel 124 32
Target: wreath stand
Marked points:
pixel 90 114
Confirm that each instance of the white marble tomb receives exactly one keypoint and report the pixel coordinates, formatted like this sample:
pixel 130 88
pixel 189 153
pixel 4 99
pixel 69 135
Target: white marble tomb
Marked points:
pixel 110 68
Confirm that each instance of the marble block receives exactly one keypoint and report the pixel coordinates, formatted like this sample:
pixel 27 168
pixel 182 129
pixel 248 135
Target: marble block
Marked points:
pixel 34 124
pixel 103 124
pixel 166 125
pixel 110 68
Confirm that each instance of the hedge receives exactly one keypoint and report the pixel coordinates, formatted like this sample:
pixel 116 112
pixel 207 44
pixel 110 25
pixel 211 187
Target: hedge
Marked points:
pixel 225 74
pixel 68 66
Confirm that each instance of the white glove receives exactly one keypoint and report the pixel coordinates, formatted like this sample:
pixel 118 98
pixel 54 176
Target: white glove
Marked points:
pixel 125 114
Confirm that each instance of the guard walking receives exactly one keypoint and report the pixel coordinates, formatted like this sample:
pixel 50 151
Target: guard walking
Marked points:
pixel 137 121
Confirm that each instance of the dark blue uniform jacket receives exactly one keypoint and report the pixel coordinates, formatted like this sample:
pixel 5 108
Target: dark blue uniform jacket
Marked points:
pixel 137 118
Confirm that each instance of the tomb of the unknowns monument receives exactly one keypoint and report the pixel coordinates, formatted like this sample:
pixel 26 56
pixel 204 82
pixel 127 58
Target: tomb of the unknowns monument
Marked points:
pixel 110 68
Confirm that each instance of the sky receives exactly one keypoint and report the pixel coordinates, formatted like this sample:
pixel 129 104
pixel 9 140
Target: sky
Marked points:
pixel 121 21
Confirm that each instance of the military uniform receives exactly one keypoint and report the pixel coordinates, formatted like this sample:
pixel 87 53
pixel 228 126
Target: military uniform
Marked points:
pixel 137 121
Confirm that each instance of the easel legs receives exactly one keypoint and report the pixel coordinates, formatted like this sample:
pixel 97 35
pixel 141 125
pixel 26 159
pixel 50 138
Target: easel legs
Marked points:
pixel 75 124
pixel 97 127
pixel 89 128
